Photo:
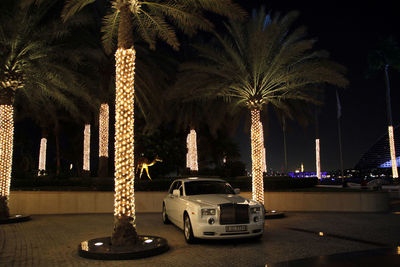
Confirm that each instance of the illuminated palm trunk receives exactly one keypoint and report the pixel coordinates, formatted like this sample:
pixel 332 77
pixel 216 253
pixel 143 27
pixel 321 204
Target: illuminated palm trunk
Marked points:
pixel 317 158
pixel 124 233
pixel 103 139
pixel 390 127
pixel 191 156
pixel 395 174
pixel 264 153
pixel 257 147
pixel 6 151
pixel 42 156
pixel 86 149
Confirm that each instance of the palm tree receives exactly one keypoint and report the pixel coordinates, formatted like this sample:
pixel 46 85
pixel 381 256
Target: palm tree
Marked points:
pixel 260 63
pixel 31 66
pixel 386 56
pixel 148 20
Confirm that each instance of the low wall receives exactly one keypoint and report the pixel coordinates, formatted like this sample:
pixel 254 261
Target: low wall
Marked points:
pixel 61 202
pixel 326 201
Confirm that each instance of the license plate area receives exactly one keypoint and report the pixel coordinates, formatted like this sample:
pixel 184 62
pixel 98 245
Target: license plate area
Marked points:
pixel 236 228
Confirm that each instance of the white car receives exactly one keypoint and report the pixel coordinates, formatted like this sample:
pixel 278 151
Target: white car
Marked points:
pixel 211 209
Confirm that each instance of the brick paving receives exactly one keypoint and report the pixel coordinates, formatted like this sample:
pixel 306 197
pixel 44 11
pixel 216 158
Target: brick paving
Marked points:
pixel 52 240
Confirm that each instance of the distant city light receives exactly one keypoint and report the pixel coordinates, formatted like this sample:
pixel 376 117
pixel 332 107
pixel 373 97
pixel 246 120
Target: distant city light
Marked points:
pixel 306 174
pixel 388 164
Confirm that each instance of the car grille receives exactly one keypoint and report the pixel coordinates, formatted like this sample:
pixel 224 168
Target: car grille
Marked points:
pixel 233 213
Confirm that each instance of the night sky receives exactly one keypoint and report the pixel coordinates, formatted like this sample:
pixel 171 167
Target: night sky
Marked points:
pixel 348 31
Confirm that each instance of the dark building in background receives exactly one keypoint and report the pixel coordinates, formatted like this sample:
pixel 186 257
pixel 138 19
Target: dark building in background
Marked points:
pixel 378 156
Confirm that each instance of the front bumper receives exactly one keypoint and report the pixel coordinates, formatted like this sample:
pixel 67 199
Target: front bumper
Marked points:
pixel 204 230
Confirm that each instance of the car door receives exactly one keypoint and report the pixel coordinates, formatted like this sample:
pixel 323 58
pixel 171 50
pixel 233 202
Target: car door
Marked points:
pixel 173 202
pixel 180 206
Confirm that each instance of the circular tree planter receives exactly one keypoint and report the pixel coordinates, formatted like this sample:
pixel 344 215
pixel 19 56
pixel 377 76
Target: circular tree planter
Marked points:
pixel 273 214
pixel 101 248
pixel 15 219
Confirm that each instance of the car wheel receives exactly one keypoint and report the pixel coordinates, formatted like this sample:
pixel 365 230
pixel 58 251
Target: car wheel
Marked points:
pixel 164 215
pixel 187 230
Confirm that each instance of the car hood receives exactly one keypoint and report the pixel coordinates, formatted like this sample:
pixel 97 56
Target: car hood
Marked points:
pixel 216 199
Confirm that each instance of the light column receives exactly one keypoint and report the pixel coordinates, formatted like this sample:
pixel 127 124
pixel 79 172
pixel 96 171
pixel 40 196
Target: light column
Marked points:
pixel 124 201
pixel 317 158
pixel 264 153
pixel 256 156
pixel 42 156
pixel 395 173
pixel 191 156
pixel 6 147
pixel 103 130
pixel 86 148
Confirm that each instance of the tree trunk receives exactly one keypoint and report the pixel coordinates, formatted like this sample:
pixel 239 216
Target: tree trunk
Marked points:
pixel 86 151
pixel 317 147
pixel 124 233
pixel 103 140
pixel 256 156
pixel 58 158
pixel 42 153
pixel 191 156
pixel 6 147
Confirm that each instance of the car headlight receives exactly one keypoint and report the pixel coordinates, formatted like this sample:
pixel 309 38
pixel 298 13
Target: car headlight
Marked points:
pixel 205 212
pixel 255 210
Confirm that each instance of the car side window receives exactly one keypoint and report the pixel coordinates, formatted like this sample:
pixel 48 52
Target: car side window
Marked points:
pixel 181 190
pixel 176 185
pixel 172 187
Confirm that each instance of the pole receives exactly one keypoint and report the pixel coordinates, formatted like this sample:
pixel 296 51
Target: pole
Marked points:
pixel 340 150
pixel 395 174
pixel 317 147
pixel 339 114
pixel 284 143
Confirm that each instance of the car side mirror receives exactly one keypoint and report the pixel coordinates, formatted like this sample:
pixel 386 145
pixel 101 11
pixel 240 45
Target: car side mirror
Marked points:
pixel 176 193
pixel 237 191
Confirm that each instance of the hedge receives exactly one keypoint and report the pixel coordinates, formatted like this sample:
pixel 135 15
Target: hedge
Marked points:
pixel 161 184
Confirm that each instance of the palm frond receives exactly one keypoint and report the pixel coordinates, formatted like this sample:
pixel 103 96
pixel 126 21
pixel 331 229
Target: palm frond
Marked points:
pixel 72 7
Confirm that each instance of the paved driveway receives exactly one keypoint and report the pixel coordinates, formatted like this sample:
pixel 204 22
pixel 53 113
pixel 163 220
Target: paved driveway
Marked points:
pixel 52 240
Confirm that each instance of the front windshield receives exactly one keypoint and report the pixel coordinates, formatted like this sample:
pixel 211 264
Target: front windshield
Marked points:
pixel 207 187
